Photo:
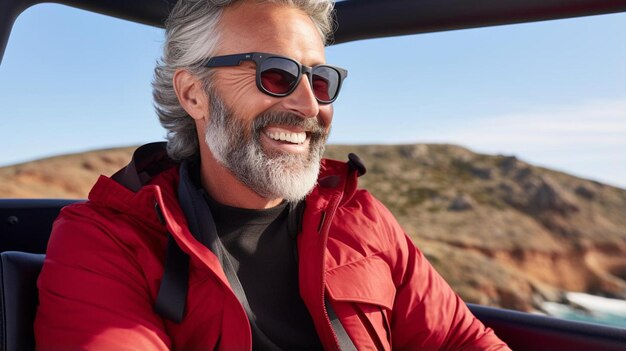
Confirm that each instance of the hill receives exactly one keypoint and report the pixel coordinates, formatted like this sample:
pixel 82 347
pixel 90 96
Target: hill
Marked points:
pixel 501 231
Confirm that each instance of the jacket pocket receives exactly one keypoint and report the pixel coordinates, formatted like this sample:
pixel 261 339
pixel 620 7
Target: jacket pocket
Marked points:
pixel 362 294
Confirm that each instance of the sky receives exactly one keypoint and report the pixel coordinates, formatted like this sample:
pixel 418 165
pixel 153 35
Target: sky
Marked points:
pixel 551 93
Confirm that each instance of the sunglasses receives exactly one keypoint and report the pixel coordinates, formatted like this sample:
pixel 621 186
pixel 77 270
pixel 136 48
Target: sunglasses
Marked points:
pixel 279 76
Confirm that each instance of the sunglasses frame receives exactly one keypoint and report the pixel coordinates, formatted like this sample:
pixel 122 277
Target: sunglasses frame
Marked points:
pixel 260 57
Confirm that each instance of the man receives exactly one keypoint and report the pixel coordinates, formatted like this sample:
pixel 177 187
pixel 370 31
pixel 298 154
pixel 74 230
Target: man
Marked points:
pixel 240 237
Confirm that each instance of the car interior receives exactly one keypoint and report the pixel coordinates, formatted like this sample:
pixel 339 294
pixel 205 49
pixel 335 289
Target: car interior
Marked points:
pixel 25 224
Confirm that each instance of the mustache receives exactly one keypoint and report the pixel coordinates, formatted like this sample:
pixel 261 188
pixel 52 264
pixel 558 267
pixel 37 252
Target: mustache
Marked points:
pixel 312 124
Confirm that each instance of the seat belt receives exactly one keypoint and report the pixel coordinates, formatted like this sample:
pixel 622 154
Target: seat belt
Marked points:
pixel 345 343
pixel 170 300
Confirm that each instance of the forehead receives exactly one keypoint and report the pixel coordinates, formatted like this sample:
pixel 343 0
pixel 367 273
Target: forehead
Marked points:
pixel 272 28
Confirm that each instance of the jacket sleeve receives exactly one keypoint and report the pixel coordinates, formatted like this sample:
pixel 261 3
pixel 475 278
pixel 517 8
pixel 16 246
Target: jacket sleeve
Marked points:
pixel 427 314
pixel 92 292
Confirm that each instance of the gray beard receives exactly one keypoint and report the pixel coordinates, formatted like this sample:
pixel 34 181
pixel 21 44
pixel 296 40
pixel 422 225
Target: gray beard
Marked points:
pixel 269 174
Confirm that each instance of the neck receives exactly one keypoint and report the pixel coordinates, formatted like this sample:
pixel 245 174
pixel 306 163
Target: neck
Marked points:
pixel 226 189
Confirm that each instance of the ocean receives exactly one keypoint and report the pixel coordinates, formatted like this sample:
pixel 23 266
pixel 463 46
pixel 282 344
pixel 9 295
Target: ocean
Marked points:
pixel 589 308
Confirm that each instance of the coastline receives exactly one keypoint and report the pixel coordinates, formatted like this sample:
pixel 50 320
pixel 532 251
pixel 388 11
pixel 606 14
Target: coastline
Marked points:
pixel 589 308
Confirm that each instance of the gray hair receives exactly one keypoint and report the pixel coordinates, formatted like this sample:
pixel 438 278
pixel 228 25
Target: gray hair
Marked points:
pixel 191 37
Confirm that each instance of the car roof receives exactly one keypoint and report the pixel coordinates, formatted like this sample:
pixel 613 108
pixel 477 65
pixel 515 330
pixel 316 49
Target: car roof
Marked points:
pixel 359 19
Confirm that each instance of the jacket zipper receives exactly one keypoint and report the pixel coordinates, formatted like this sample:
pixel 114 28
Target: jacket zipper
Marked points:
pixel 323 230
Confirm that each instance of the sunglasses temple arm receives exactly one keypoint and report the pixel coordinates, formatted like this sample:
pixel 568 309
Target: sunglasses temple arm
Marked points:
pixel 226 61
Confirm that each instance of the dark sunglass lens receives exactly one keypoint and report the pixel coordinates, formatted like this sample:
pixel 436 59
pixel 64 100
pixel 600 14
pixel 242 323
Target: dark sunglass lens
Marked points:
pixel 325 83
pixel 278 75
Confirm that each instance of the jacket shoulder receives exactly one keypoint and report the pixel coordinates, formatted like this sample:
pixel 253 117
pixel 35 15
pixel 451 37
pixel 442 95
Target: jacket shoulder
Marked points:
pixel 101 264
pixel 87 228
pixel 363 227
pixel 360 217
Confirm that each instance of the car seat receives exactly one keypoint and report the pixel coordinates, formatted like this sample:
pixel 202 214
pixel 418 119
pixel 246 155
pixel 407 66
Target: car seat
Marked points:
pixel 18 299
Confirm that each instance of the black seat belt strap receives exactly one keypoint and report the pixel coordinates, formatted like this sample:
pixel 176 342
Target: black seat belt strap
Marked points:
pixel 345 343
pixel 172 295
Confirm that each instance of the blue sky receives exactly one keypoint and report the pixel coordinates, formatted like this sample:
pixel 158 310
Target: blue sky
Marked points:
pixel 552 93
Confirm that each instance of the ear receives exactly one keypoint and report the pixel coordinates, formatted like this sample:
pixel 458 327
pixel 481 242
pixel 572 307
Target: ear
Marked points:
pixel 191 95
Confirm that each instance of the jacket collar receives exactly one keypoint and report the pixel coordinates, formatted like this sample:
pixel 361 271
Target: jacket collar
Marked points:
pixel 151 174
pixel 148 161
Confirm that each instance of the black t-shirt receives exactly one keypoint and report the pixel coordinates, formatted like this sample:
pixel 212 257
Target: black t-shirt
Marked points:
pixel 263 254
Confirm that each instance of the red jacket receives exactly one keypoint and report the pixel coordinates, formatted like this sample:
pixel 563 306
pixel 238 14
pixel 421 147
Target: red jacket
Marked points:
pixel 105 262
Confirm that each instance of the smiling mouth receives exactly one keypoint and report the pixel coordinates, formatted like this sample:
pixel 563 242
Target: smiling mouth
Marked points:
pixel 296 138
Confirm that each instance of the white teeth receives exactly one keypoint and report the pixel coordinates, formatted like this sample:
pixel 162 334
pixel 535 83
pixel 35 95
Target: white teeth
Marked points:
pixel 295 138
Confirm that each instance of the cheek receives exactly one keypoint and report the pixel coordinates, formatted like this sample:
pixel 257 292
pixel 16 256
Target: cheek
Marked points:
pixel 325 115
pixel 255 103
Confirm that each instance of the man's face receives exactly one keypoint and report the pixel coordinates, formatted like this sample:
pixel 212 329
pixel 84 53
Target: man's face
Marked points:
pixel 271 173
pixel 259 138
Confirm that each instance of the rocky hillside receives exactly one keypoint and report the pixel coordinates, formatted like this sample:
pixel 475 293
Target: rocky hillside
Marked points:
pixel 501 231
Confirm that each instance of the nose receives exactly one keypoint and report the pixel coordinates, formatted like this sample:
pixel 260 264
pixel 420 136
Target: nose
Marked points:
pixel 302 100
